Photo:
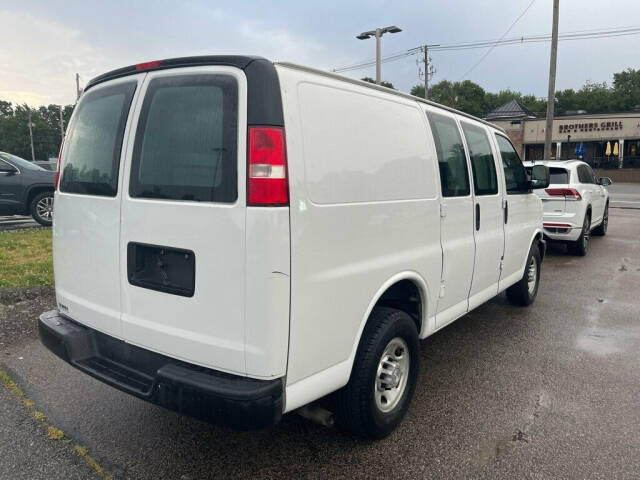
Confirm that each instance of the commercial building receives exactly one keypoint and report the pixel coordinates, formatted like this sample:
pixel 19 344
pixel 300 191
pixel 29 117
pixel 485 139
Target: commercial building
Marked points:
pixel 605 141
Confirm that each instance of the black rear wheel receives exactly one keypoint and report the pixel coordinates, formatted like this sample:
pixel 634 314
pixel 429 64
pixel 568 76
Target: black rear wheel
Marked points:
pixel 581 246
pixel 601 230
pixel 384 375
pixel 42 208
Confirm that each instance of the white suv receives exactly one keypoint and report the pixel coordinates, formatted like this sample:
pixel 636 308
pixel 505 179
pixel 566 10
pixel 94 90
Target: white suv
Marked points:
pixel 236 238
pixel 575 203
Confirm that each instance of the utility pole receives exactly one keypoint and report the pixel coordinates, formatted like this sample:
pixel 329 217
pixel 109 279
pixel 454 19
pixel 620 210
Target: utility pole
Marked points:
pixel 61 125
pixel 78 91
pixel 551 95
pixel 428 69
pixel 33 155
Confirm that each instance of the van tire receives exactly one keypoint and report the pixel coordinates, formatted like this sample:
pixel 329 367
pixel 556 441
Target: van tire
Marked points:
pixel 41 208
pixel 524 293
pixel 357 402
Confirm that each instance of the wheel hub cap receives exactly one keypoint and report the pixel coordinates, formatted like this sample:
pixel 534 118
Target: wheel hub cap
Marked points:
pixel 391 376
pixel 45 208
pixel 532 273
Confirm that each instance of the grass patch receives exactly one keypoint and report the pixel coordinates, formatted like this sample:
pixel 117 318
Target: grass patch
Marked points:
pixel 25 258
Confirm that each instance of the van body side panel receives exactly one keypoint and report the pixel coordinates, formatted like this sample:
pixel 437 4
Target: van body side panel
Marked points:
pixel 86 229
pixel 363 208
pixel 268 282
pixel 208 327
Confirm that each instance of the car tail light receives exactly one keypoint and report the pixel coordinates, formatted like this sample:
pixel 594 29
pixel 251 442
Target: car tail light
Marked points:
pixel 56 180
pixel 567 193
pixel 267 183
pixel 148 65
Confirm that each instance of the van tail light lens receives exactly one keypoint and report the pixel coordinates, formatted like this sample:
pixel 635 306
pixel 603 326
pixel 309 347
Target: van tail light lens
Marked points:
pixel 56 180
pixel 267 183
pixel 567 193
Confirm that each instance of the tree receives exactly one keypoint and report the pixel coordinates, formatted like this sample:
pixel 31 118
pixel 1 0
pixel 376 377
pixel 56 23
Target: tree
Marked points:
pixel 382 83
pixel 14 129
pixel 466 96
pixel 626 89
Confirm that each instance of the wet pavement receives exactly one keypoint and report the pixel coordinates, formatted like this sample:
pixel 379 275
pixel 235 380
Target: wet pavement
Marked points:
pixel 549 391
pixel 625 195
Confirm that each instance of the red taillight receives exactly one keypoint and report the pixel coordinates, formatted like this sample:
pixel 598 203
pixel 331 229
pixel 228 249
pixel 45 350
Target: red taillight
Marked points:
pixel 148 65
pixel 567 193
pixel 556 225
pixel 56 180
pixel 267 168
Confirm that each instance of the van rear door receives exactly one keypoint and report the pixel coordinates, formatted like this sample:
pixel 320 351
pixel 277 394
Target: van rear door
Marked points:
pixel 182 240
pixel 86 228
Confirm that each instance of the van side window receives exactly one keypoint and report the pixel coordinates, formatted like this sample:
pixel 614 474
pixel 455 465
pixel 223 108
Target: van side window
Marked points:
pixel 483 166
pixel 514 173
pixel 454 174
pixel 186 143
pixel 91 154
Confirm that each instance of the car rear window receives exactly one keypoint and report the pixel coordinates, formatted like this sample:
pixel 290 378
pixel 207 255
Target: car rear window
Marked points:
pixel 91 155
pixel 186 143
pixel 558 175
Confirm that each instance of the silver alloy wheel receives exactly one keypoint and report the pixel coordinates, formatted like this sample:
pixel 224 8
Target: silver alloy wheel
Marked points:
pixel 392 375
pixel 605 220
pixel 532 275
pixel 44 208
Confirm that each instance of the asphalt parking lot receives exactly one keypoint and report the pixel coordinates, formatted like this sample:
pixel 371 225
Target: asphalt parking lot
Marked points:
pixel 550 391
pixel 17 222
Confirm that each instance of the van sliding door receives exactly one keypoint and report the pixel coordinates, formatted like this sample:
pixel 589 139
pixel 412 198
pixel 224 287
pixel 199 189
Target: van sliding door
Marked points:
pixel 488 224
pixel 456 219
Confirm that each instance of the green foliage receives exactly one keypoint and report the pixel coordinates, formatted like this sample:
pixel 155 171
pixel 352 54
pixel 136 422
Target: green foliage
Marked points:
pixel 14 129
pixel 592 97
pixel 382 83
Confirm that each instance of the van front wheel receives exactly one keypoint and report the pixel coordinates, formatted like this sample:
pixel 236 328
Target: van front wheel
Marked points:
pixel 384 375
pixel 525 291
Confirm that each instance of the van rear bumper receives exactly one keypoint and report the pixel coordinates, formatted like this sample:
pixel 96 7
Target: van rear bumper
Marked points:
pixel 217 397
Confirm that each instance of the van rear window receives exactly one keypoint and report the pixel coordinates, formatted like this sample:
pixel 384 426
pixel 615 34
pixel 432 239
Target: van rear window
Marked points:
pixel 186 143
pixel 91 155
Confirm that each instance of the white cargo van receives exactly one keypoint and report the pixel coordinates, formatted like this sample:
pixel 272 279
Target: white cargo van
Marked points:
pixel 236 238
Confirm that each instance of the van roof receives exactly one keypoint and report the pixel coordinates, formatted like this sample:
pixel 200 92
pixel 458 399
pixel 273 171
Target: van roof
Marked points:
pixel 243 61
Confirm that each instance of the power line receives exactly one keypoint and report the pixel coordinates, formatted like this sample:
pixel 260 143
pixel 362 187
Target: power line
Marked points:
pixel 572 35
pixel 499 40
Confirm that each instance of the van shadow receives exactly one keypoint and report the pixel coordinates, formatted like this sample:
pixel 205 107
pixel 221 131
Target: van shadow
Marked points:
pixel 459 366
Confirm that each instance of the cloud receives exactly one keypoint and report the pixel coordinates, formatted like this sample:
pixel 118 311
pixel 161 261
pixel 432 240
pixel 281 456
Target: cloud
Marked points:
pixel 39 58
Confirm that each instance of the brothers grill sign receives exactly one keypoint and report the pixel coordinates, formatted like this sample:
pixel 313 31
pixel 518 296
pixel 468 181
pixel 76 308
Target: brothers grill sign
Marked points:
pixel 589 126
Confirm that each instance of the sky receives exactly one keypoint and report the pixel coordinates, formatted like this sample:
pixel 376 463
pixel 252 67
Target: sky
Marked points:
pixel 44 43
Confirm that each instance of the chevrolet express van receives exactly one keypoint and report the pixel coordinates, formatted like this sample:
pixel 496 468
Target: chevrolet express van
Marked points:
pixel 235 238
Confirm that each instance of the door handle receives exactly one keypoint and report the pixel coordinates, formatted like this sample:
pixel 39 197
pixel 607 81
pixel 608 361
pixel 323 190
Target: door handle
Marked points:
pixel 506 211
pixel 477 216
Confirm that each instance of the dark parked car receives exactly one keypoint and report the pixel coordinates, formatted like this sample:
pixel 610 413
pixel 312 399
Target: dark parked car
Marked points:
pixel 25 189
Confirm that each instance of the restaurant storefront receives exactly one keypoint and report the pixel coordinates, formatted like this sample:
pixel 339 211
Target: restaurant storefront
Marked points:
pixel 603 140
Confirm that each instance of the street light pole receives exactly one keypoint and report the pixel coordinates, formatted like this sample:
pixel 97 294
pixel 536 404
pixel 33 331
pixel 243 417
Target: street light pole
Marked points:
pixel 377 34
pixel 378 56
